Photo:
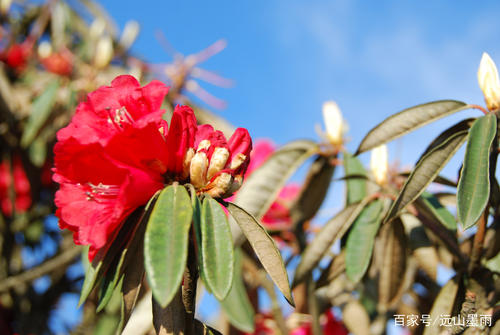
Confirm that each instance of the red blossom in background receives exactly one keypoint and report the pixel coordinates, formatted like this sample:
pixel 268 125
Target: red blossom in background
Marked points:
pixel 278 215
pixel 60 63
pixel 118 151
pixel 16 56
pixel 14 177
pixel 266 325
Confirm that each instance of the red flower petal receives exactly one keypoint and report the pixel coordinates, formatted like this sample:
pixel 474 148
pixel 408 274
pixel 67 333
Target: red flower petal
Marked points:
pixel 262 150
pixel 97 193
pixel 180 137
pixel 110 109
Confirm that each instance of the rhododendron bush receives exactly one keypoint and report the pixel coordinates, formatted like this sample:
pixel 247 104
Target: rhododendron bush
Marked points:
pixel 117 188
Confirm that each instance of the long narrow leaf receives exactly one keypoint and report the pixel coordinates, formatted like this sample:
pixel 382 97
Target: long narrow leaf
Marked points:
pixel 166 242
pixel 474 184
pixel 322 242
pixel 217 248
pixel 408 120
pixel 359 246
pixel 427 168
pixel 314 190
pixel 433 208
pixel 265 248
pixel 40 112
pixel 237 305
pixel 355 188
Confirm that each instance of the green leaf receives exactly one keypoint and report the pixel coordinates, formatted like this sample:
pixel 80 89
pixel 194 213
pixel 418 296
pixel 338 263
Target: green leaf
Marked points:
pixel 40 112
pixel 355 188
pixel 314 190
pixel 105 256
pixel 110 282
pixel 120 265
pixel 265 248
pixel 408 120
pixel 195 202
pixel 108 287
pixel 493 264
pixel 359 246
pixel 90 280
pixel 132 283
pixel 323 241
pixel 474 184
pixel 217 248
pixel 237 305
pixel 437 211
pixel 106 325
pixel 166 242
pixel 434 159
pixel 38 152
pixel 438 180
pixel 260 190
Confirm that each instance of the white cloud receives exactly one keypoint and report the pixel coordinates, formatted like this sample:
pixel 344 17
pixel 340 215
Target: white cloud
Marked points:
pixel 405 52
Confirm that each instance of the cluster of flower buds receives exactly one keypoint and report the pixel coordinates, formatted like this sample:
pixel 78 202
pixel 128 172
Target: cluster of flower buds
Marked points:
pixel 217 167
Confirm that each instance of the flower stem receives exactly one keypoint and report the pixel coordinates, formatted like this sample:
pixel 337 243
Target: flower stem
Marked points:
pixel 178 316
pixel 477 248
pixel 169 320
pixel 189 286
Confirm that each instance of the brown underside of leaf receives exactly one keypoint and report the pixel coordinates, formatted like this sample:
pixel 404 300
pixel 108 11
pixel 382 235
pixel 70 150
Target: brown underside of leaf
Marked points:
pixel 264 247
pixel 313 191
pixel 393 263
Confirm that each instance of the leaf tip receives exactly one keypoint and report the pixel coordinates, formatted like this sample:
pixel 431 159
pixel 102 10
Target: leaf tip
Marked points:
pixel 289 299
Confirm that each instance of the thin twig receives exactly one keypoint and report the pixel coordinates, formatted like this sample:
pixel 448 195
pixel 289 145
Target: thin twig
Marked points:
pixel 55 263
pixel 477 247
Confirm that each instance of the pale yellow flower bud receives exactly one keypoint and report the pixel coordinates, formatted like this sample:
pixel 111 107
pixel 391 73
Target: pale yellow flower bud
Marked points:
pixel 5 6
pixel 129 34
pixel 198 170
pixel 44 49
pixel 333 122
pixel 97 28
pixel 237 161
pixel 235 186
pixel 221 186
pixel 379 165
pixel 217 162
pixel 204 145
pixel 487 76
pixel 104 52
pixel 186 165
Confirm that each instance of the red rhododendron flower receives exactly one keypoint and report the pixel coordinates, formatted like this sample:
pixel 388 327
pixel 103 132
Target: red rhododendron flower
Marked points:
pixel 265 325
pixel 60 63
pixel 14 177
pixel 329 326
pixel 16 56
pixel 118 151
